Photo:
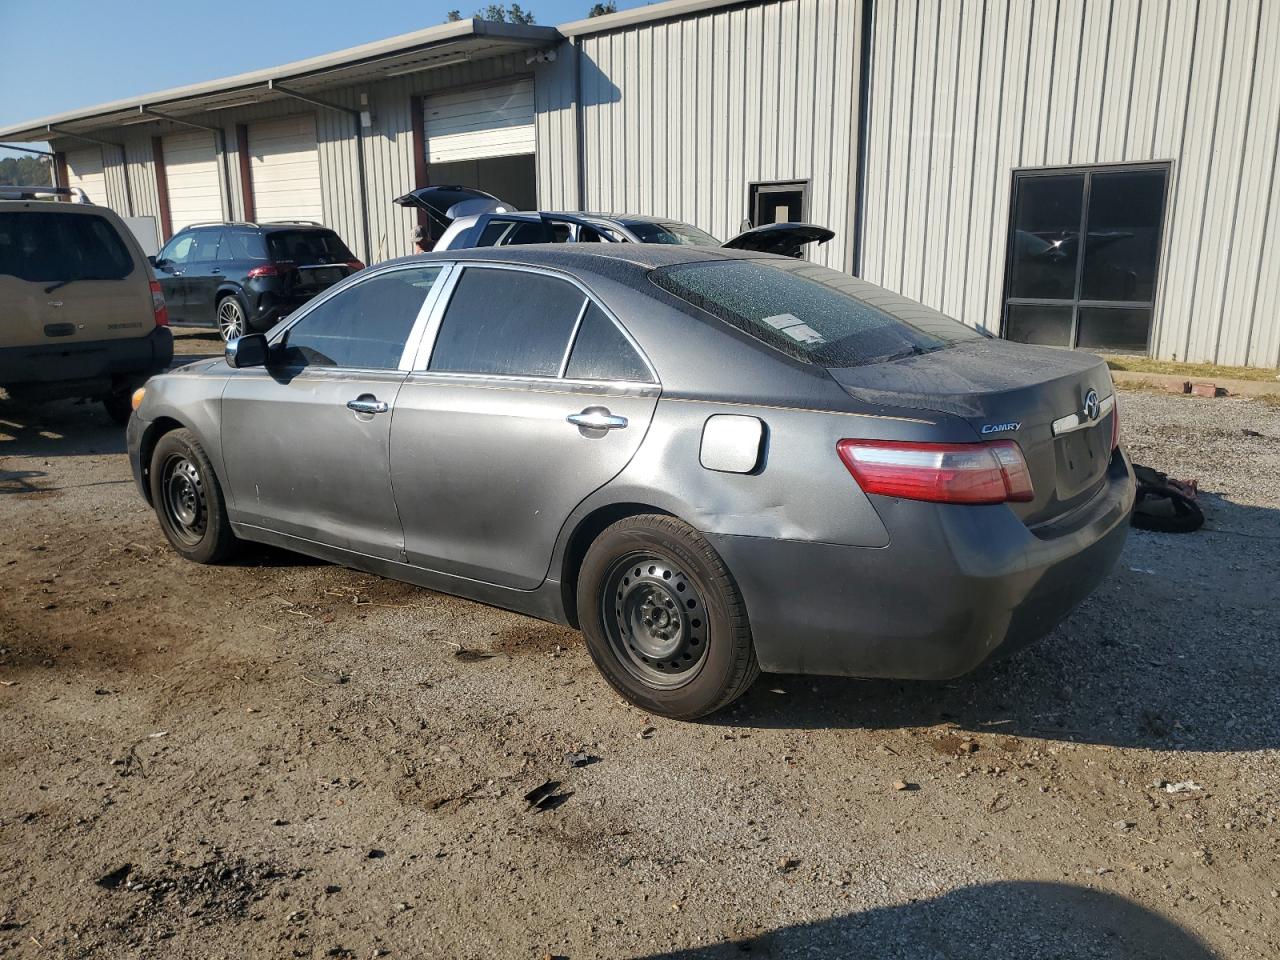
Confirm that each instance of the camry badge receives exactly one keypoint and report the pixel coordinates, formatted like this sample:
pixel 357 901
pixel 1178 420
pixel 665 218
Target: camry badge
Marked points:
pixel 1000 427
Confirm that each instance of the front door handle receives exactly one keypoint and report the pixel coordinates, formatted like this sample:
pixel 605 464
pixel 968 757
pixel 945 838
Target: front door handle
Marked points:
pixel 368 404
pixel 597 418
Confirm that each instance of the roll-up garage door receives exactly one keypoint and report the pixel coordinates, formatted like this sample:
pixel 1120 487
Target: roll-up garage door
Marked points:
pixel 489 121
pixel 84 170
pixel 285 170
pixel 483 137
pixel 191 169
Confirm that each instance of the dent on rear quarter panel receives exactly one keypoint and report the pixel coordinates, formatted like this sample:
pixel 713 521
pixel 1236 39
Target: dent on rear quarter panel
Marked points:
pixel 802 491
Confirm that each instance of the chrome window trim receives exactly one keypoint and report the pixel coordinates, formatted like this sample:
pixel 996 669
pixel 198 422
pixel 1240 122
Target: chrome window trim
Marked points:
pixel 423 360
pixel 1075 421
pixel 282 330
pixel 573 336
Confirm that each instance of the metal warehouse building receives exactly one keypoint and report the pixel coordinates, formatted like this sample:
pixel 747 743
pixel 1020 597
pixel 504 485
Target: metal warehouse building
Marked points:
pixel 1095 173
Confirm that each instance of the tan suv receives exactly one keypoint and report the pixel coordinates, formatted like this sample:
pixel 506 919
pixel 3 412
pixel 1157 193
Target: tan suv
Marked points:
pixel 81 313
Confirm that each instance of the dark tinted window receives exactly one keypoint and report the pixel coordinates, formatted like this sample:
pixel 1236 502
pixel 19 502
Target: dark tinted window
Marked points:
pixel 812 313
pixel 206 244
pixel 307 246
pixel 1039 323
pixel 242 245
pixel 364 326
pixel 507 322
pixel 502 233
pixel 1123 244
pixel 601 352
pixel 1046 238
pixel 671 231
pixel 47 246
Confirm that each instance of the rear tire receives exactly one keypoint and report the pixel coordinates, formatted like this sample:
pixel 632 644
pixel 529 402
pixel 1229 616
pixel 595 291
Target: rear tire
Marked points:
pixel 230 317
pixel 118 406
pixel 664 619
pixel 188 500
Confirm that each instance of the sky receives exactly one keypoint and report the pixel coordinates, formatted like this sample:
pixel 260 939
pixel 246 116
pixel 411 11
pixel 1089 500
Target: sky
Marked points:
pixel 94 52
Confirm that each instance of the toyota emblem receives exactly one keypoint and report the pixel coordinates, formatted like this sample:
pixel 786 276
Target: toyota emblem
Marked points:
pixel 1092 408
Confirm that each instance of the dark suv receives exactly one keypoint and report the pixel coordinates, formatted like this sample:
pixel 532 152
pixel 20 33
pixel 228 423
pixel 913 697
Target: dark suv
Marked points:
pixel 246 277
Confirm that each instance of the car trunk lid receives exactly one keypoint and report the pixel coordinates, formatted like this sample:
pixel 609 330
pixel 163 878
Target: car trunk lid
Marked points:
pixel 786 239
pixel 1011 391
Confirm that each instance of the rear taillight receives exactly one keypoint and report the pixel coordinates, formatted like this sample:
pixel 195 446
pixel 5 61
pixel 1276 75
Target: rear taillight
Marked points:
pixel 353 265
pixel 158 306
pixel 1115 420
pixel 263 270
pixel 991 472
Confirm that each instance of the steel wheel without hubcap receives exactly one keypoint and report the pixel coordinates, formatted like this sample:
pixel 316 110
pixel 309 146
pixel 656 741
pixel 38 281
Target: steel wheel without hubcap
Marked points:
pixel 655 620
pixel 230 319
pixel 184 499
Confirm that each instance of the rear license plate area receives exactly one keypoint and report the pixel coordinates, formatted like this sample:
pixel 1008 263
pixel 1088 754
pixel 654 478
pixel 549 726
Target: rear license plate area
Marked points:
pixel 1081 460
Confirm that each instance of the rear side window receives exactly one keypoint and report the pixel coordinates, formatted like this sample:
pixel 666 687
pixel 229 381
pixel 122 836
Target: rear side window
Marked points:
pixel 812 313
pixel 206 245
pixel 671 231
pixel 601 352
pixel 507 323
pixel 364 326
pixel 504 233
pixel 242 245
pixel 307 246
pixel 44 246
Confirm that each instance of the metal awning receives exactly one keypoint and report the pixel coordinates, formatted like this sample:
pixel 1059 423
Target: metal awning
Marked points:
pixel 442 46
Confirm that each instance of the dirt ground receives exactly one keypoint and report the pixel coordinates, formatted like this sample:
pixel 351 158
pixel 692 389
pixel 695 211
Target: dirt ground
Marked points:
pixel 282 758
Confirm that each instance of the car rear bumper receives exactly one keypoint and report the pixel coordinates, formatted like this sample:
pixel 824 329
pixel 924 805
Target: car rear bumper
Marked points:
pixel 954 585
pixel 88 361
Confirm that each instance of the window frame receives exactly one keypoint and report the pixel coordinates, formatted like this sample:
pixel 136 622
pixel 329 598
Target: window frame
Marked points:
pixel 411 344
pixel 441 305
pixel 1087 170
pixel 756 187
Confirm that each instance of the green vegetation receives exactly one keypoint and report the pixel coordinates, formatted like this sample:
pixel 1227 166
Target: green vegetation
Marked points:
pixel 25 172
pixel 1191 371
pixel 500 13
pixel 602 9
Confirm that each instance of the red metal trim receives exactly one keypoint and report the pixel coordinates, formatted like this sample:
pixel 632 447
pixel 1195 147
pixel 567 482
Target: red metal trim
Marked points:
pixel 417 118
pixel 246 172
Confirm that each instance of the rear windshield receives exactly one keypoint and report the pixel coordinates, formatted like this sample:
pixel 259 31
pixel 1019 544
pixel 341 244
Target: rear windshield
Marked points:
pixel 672 231
pixel 812 313
pixel 49 247
pixel 307 246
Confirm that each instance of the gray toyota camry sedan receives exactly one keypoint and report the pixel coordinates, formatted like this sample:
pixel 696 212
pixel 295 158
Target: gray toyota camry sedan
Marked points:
pixel 711 462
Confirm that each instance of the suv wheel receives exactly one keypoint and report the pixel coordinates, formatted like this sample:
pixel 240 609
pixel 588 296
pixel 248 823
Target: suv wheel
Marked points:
pixel 230 318
pixel 663 618
pixel 119 406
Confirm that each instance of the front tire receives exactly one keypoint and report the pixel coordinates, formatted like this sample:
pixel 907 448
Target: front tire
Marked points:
pixel 664 619
pixel 188 499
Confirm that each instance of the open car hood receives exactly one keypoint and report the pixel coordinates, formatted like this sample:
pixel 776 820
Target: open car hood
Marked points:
pixel 444 204
pixel 787 239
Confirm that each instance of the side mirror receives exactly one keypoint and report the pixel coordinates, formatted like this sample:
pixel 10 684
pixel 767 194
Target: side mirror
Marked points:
pixel 247 351
pixel 153 261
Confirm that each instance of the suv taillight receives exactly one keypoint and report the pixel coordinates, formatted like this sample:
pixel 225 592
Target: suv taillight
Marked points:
pixel 158 306
pixel 991 472
pixel 264 270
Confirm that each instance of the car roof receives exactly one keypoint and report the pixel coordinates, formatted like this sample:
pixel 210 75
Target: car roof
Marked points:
pixel 606 258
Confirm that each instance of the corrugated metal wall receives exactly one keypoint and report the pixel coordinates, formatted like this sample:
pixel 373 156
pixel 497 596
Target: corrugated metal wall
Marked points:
pixel 680 116
pixel 963 93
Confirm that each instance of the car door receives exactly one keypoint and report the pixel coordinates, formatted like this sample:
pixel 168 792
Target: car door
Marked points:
pixel 170 269
pixel 526 396
pixel 305 439
pixel 203 276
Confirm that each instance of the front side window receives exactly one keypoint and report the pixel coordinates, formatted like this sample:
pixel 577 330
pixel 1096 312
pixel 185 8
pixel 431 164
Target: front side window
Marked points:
pixel 364 326
pixel 507 323
pixel 1084 253
pixel 44 246
pixel 179 249
pixel 811 313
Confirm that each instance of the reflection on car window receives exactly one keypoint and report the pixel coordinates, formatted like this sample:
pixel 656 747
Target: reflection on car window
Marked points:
pixel 306 247
pixel 44 246
pixel 206 245
pixel 507 322
pixel 242 245
pixel 179 249
pixel 601 352
pixel 671 231
pixel 364 326
pixel 812 313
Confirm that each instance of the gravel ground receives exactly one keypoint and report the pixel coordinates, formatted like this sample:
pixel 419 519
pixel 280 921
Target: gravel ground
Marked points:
pixel 283 758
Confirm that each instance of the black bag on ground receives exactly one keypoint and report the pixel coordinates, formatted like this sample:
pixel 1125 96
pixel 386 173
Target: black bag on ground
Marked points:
pixel 1162 507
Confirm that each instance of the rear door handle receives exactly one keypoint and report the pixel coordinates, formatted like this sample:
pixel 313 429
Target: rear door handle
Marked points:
pixel 597 418
pixel 368 405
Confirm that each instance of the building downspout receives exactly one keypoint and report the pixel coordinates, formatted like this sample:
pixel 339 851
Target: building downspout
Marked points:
pixel 579 134
pixel 124 159
pixel 859 187
pixel 360 171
